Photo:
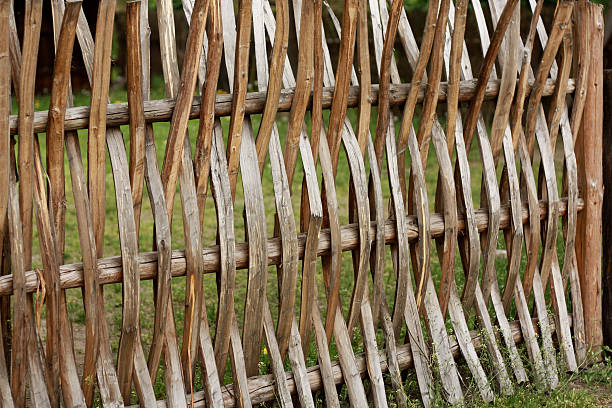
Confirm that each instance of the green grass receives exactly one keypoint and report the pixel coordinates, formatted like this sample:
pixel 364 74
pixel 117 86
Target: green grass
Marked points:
pixel 525 396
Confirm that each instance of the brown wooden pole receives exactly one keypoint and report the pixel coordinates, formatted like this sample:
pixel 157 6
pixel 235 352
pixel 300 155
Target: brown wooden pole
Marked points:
pixel 590 181
pixel 607 209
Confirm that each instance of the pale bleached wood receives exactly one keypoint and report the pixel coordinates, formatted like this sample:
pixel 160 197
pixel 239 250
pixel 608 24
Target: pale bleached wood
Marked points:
pixel 419 349
pixel 128 355
pixel 545 373
pixel 428 296
pixel 207 117
pixel 227 267
pixel 263 386
pixel 534 112
pixel 222 198
pixel 6 397
pixel 279 52
pixel 184 96
pixel 240 59
pixel 565 131
pixel 359 209
pixel 178 164
pixel 27 78
pixel 314 214
pixel 95 339
pixel 281 175
pixel 164 332
pixel 470 257
pixel 241 149
pixel 493 200
pixel 24 356
pixel 278 370
pixel 164 316
pixel 55 129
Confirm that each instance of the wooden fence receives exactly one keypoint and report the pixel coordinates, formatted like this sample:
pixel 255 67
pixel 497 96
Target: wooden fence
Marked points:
pixel 455 329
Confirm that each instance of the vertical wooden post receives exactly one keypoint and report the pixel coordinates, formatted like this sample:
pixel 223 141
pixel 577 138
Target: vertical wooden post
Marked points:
pixel 590 179
pixel 607 209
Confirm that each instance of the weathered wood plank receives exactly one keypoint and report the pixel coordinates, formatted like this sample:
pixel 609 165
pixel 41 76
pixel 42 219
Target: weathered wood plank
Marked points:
pixel 136 107
pixel 264 385
pixel 6 398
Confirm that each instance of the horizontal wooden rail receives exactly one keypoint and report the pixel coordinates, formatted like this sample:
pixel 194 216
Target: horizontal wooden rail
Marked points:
pixel 110 269
pixel 161 110
pixel 261 388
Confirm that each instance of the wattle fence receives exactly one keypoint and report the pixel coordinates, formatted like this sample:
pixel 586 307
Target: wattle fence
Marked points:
pixel 431 297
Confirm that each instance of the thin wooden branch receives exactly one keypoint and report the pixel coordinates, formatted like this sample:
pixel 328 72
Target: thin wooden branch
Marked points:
pixel 110 270
pixel 161 110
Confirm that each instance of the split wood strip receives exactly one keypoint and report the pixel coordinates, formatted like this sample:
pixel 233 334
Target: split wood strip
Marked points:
pixel 548 267
pixel 446 192
pixel 242 39
pixel 207 118
pixel 28 354
pixel 164 335
pixel 465 200
pixel 379 301
pixel 241 146
pixel 359 208
pixel 47 230
pixel 55 129
pixel 6 397
pixel 283 170
pixel 565 131
pixel 24 332
pixel 467 203
pixel 332 266
pixel 263 386
pixel 549 360
pixel 310 257
pixel 96 149
pixel 194 302
pixel 478 372
pixel 27 77
pixel 223 202
pixel 428 295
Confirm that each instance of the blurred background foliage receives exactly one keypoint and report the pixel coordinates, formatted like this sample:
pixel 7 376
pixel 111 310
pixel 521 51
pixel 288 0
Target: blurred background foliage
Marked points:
pixel 416 10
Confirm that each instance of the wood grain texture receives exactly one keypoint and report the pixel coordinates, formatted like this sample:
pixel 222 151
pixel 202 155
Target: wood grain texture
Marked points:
pixel 136 107
pixel 55 129
pixel 161 110
pixel 96 147
pixel 588 153
pixel 264 385
pixel 6 397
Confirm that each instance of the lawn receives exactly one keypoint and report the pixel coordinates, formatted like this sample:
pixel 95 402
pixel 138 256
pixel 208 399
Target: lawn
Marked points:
pixel 576 390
